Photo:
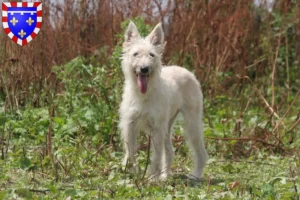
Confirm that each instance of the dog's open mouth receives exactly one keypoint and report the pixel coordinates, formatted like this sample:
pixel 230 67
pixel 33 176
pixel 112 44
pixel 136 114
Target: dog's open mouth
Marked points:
pixel 142 82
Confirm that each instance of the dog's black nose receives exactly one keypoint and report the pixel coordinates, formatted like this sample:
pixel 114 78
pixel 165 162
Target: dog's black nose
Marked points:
pixel 144 70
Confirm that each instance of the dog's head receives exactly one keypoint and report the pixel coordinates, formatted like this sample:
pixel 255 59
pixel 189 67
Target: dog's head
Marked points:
pixel 142 56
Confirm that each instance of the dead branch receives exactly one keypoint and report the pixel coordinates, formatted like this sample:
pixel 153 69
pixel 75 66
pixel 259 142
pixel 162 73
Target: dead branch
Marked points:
pixel 272 111
pixel 248 139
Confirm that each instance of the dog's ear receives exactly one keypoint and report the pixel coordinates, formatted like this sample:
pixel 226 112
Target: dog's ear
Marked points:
pixel 156 38
pixel 131 34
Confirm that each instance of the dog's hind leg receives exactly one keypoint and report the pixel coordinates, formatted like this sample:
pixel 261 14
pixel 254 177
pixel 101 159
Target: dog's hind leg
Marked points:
pixel 193 126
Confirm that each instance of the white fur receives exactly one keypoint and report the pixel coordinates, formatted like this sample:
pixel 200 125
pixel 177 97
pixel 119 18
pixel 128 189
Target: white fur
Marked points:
pixel 170 90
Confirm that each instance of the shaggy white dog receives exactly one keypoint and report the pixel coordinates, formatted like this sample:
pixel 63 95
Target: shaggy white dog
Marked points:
pixel 152 98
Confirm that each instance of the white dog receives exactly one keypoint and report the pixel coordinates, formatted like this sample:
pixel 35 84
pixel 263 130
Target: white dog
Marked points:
pixel 152 98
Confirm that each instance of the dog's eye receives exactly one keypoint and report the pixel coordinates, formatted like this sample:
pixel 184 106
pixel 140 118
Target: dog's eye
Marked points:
pixel 135 54
pixel 151 54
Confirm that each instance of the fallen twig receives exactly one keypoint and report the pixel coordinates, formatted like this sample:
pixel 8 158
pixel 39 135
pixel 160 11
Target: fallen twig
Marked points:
pixel 244 161
pixel 248 139
pixel 60 189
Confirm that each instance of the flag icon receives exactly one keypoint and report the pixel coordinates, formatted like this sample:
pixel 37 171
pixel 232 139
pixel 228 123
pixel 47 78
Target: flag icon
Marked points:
pixel 22 21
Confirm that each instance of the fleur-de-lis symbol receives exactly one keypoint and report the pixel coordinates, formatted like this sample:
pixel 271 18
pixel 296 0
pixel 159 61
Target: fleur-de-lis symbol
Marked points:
pixel 14 21
pixel 29 21
pixel 22 33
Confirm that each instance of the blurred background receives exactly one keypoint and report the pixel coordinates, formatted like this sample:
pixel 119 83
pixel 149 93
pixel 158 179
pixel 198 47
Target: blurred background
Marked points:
pixel 219 40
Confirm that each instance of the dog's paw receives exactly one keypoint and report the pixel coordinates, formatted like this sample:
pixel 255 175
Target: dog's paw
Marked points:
pixel 158 177
pixel 163 177
pixel 153 178
pixel 193 177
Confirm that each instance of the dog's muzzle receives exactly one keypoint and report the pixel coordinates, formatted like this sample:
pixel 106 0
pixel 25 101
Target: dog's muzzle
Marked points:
pixel 145 70
pixel 142 78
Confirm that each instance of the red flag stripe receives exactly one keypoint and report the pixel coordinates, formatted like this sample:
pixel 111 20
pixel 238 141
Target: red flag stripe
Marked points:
pixel 4 7
pixel 4 19
pixel 15 39
pixel 39 24
pixel 13 4
pixel 24 4
pixel 7 31
pixel 39 13
pixel 36 4
pixel 33 35
pixel 24 42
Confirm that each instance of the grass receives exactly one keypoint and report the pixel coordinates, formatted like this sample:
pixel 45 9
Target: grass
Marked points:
pixel 102 177
pixel 86 165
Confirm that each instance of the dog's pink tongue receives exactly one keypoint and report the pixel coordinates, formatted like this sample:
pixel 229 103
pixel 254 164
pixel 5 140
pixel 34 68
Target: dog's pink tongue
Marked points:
pixel 142 82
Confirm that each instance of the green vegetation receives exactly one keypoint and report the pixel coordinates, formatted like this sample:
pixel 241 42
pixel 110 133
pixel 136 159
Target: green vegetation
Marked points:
pixel 69 146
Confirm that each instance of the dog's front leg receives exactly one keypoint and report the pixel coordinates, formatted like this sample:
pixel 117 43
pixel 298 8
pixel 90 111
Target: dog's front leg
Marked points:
pixel 157 147
pixel 129 134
